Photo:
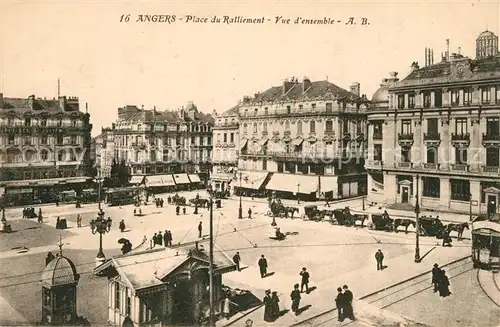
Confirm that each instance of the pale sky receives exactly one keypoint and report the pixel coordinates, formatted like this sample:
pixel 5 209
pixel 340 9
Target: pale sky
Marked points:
pixel 110 64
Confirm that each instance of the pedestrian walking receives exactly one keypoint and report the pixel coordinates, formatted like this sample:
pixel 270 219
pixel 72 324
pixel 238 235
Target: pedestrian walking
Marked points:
pixel 275 305
pixel 263 266
pixel 348 310
pixel 295 297
pixel 160 239
pixel 268 307
pixel 177 210
pixel 165 238
pixel 250 213
pixel 436 276
pixel 170 238
pixel 379 257
pixel 305 280
pixel 155 239
pixel 340 304
pixel 200 230
pixel 444 285
pixel 122 226
pixel 184 210
pixel 236 260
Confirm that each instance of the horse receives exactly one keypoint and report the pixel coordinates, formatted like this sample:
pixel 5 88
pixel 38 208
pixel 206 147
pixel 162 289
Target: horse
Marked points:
pixel 360 217
pixel 403 222
pixel 291 211
pixel 459 228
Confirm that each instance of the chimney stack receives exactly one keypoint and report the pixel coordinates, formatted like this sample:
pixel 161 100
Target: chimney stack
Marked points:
pixel 425 61
pixel 306 84
pixel 432 56
pixel 355 88
pixel 447 49
pixel 31 101
pixel 1 100
pixel 62 102
pixel 287 85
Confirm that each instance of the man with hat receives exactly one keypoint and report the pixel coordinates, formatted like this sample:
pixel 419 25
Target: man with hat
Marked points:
pixel 295 297
pixel 436 276
pixel 305 280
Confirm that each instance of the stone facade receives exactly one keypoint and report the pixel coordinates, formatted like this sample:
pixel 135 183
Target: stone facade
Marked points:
pixel 44 147
pixel 226 144
pixel 104 152
pixel 306 128
pixel 160 142
pixel 439 127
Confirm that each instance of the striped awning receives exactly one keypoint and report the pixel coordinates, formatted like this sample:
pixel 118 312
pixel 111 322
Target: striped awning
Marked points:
pixel 252 179
pixel 328 184
pixel 294 183
pixel 194 178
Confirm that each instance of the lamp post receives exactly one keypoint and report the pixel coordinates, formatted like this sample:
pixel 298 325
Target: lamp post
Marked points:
pixel 298 193
pixel 363 198
pixel 417 224
pixel 101 226
pixel 252 190
pixel 240 210
pixel 99 192
pixel 470 207
pixel 211 259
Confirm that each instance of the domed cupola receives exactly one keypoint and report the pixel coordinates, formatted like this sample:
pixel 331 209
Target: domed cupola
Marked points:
pixel 486 45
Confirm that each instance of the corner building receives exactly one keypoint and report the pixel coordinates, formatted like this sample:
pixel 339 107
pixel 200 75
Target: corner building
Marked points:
pixel 44 148
pixel 303 138
pixel 439 126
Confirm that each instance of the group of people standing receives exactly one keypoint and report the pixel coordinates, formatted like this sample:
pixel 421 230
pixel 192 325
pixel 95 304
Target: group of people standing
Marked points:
pixel 271 306
pixel 162 239
pixel 159 202
pixel 440 281
pixel 343 301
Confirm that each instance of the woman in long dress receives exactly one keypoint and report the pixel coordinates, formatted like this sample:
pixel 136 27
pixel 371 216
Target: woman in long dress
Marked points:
pixel 276 307
pixel 226 307
pixel 444 285
pixel 268 307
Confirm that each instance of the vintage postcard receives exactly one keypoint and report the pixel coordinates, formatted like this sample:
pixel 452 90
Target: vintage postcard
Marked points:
pixel 250 163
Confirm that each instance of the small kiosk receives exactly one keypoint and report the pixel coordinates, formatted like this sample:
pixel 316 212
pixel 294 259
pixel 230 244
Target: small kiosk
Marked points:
pixel 486 245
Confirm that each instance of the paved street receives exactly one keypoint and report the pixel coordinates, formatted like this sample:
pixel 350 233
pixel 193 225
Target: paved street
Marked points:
pixel 334 255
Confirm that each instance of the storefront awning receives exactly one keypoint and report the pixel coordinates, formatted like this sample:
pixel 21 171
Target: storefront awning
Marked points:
pixel 181 179
pixel 252 179
pixel 137 179
pixel 222 177
pixel 194 178
pixel 159 181
pixel 293 182
pixel 297 142
pixel 328 184
pixel 47 181
pixel 243 144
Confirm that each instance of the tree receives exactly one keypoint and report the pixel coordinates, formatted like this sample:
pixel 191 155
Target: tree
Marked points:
pixel 120 174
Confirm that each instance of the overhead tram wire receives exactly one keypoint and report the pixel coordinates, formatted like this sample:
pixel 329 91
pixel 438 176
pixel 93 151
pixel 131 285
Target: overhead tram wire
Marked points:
pixel 173 256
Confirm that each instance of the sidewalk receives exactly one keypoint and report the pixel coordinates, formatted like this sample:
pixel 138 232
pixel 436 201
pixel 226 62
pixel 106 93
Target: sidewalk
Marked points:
pixel 361 282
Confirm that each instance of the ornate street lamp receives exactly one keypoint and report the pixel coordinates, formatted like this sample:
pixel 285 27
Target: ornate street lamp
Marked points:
pixel 240 210
pixel 298 193
pixel 99 180
pixel 102 226
pixel 417 224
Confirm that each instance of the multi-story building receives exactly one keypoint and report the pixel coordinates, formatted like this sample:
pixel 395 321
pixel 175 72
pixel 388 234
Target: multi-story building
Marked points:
pixel 304 138
pixel 439 127
pixel 44 148
pixel 225 142
pixel 164 142
pixel 104 152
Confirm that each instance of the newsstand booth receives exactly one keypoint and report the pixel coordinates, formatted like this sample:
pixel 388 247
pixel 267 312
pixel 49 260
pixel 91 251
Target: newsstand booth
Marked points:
pixel 486 245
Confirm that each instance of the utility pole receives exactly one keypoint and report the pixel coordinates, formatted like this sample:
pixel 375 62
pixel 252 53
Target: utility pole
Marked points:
pixel 211 264
pixel 470 207
pixel 240 210
pixel 298 192
pixel 417 224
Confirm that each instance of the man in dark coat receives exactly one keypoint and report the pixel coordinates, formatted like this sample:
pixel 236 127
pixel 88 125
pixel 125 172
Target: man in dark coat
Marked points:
pixel 348 310
pixel 340 303
pixel 444 285
pixel 436 276
pixel 165 238
pixel 263 266
pixel 170 238
pixel 200 230
pixel 237 259
pixel 177 210
pixel 122 226
pixel 295 297
pixel 276 307
pixel 268 307
pixel 155 239
pixel 160 238
pixel 379 257
pixel 250 213
pixel 305 280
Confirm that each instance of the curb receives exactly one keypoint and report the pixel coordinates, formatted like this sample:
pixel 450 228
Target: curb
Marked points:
pixel 376 292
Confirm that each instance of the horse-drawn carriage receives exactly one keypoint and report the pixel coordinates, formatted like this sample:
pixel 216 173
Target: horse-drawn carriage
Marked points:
pixel 200 203
pixel 344 217
pixel 431 226
pixel 277 209
pixel 178 200
pixel 382 221
pixel 486 245
pixel 311 212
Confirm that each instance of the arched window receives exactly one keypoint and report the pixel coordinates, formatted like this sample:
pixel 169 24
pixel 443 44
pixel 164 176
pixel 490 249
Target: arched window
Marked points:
pixel 287 126
pixel 254 128
pixel 264 127
pixel 152 155
pixel 299 127
pixel 245 126
pixel 312 126
pixel 61 155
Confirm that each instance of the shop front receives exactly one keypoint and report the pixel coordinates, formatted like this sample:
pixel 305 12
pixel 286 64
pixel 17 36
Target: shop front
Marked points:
pixel 294 186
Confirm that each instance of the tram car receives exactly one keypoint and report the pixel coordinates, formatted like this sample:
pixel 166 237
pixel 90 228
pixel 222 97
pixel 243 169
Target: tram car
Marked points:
pixel 486 245
pixel 122 196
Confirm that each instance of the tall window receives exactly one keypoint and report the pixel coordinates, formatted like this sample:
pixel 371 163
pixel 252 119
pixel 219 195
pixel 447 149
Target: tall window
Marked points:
pixel 405 154
pixel 299 127
pixel 492 157
pixel 438 98
pixel 59 122
pixel 301 106
pixel 401 101
pixel 485 95
pixel 59 139
pixel 432 126
pixel 411 101
pixel 431 187
pixel 312 126
pixel 288 110
pixel 43 139
pixel 44 154
pixel 377 129
pixel 128 309
pixel 265 111
pixel 406 127
pixel 165 155
pixel 377 152
pixel 329 126
pixel 431 155
pixel 225 137
pixel 10 122
pixel 245 128
pixel 461 156
pixel 329 107
pixel 455 97
pixel 345 126
pixel 255 128
pixel 492 126
pixel 43 122
pixel 27 122
pixel 313 105
pixel 497 94
pixel 287 126
pixel 73 139
pixel 152 156
pixel 460 189
pixel 467 96
pixel 427 99
pixel 264 127
pixel 255 112
pixel 231 138
pixel 461 126
pixel 264 164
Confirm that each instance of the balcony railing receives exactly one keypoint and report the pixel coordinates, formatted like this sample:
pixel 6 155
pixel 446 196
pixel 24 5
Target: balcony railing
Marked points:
pixel 404 164
pixel 287 133
pixel 265 133
pixel 433 166
pixel 377 136
pixel 460 137
pixel 408 136
pixel 491 137
pixel 374 163
pixel 491 169
pixel 432 136
pixel 459 167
